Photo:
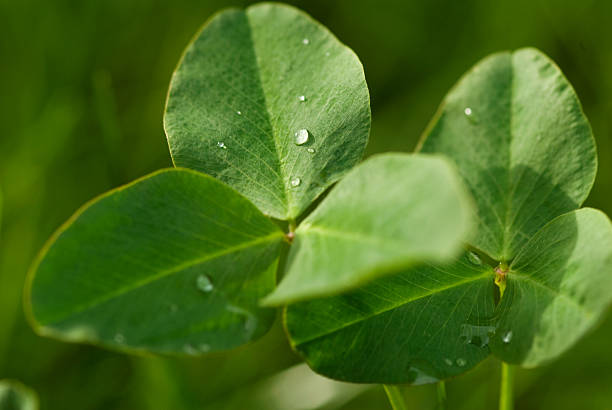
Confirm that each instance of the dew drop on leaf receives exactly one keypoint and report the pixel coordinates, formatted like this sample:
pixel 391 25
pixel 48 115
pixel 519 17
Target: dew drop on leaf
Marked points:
pixel 327 54
pixel 448 362
pixel 239 112
pixel 507 337
pixel 468 111
pixel 306 41
pixel 301 137
pixel 302 98
pixel 119 338
pixel 311 150
pixel 474 258
pixel 296 182
pixel 461 362
pixel 221 144
pixel 204 283
pixel 190 350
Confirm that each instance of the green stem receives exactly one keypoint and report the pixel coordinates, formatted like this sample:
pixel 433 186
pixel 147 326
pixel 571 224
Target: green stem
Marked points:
pixel 506 399
pixel 441 389
pixel 395 397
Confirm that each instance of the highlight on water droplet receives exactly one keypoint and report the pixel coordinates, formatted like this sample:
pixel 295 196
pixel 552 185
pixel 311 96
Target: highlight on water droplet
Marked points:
pixel 204 283
pixel 221 144
pixel 119 338
pixel 239 112
pixel 460 362
pixel 302 98
pixel 474 258
pixel 296 181
pixel 311 150
pixel 301 137
pixel 468 111
pixel 507 337
pixel 306 41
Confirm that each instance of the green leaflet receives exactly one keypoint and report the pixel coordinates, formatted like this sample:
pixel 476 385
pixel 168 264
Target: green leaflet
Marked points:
pixel 515 129
pixel 390 212
pixel 175 262
pixel 558 288
pixel 525 150
pixel 414 327
pixel 16 396
pixel 235 105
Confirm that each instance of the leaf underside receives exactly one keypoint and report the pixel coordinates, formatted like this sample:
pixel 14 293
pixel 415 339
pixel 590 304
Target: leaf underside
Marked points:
pixel 175 262
pixel 390 212
pixel 247 84
pixel 515 129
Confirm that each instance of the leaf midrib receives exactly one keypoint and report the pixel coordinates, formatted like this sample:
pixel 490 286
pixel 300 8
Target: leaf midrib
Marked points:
pixel 277 147
pixel 160 275
pixel 396 306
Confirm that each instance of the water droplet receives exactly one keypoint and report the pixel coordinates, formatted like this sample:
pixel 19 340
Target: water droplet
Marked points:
pixel 204 348
pixel 306 41
pixel 474 258
pixel 302 98
pixel 301 137
pixel 190 350
pixel 239 112
pixel 249 320
pixel 448 362
pixel 221 144
pixel 461 362
pixel 311 150
pixel 327 54
pixel 476 335
pixel 468 111
pixel 204 283
pixel 296 182
pixel 119 338
pixel 507 337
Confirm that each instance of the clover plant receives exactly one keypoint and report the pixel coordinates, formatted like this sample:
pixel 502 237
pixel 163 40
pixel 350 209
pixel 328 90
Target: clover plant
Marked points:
pixel 266 111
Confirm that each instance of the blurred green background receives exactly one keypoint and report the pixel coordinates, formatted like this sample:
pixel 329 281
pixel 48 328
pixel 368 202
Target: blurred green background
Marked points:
pixel 82 90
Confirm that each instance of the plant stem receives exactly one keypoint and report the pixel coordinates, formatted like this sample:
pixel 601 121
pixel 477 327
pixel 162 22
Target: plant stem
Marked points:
pixel 506 399
pixel 441 389
pixel 395 397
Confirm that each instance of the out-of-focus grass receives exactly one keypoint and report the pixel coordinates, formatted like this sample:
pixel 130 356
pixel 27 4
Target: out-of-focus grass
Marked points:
pixel 82 88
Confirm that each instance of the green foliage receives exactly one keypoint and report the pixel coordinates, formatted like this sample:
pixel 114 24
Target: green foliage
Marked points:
pixel 174 262
pixel 516 131
pixel 246 87
pixel 178 262
pixel 16 396
pixel 388 213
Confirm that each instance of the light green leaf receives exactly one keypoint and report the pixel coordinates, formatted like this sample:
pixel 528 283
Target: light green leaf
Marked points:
pixel 175 262
pixel 16 396
pixel 422 325
pixel 558 289
pixel 235 105
pixel 515 128
pixel 391 212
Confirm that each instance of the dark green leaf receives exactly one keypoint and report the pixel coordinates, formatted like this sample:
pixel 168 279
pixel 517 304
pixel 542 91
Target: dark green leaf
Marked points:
pixel 174 262
pixel 391 212
pixel 515 128
pixel 235 106
pixel 16 396
pixel 416 327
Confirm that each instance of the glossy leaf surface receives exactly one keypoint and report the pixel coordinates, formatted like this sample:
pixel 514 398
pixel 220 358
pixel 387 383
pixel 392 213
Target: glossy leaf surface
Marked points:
pixel 175 262
pixel 391 212
pixel 248 86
